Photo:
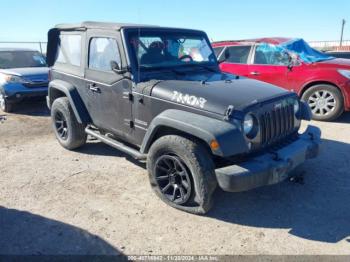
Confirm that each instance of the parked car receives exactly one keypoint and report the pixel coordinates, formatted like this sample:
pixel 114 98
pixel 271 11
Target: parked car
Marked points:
pixel 318 78
pixel 339 54
pixel 23 74
pixel 158 95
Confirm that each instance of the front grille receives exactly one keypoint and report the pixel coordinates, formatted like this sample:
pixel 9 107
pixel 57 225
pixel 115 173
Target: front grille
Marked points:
pixel 277 124
pixel 36 84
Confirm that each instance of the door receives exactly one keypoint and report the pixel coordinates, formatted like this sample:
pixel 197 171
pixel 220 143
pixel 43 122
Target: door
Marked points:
pixel 235 59
pixel 270 64
pixel 108 92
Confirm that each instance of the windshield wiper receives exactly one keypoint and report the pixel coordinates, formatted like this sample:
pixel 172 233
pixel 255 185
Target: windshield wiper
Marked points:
pixel 208 68
pixel 177 72
pixel 164 69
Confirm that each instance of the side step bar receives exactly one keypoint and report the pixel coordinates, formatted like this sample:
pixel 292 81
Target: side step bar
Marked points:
pixel 116 144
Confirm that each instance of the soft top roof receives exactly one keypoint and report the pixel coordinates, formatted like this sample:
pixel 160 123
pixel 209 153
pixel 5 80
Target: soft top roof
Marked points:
pixel 15 49
pixel 112 26
pixel 99 25
pixel 53 34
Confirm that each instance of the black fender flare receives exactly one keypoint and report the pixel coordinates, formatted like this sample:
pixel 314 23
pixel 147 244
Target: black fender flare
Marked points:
pixel 228 135
pixel 305 111
pixel 73 96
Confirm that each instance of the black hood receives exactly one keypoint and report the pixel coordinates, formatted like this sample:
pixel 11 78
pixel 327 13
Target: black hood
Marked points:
pixel 216 96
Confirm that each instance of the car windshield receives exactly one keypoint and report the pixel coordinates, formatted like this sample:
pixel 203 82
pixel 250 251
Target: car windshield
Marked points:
pixel 19 59
pixel 305 52
pixel 170 49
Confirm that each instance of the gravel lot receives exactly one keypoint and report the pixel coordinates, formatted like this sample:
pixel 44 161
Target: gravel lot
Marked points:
pixel 98 201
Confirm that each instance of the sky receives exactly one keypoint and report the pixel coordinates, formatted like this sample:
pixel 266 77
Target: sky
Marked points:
pixel 312 20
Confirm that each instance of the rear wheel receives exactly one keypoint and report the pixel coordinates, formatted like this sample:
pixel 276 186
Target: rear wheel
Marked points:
pixel 325 101
pixel 182 173
pixel 69 132
pixel 5 105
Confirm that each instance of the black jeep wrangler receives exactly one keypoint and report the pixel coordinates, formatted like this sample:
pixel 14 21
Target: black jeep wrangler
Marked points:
pixel 158 95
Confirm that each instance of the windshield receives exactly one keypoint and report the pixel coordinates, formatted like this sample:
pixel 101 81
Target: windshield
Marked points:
pixel 305 52
pixel 19 59
pixel 169 49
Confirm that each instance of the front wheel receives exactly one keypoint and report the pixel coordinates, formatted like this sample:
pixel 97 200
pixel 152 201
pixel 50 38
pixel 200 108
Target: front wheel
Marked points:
pixel 182 173
pixel 69 132
pixel 325 101
pixel 5 105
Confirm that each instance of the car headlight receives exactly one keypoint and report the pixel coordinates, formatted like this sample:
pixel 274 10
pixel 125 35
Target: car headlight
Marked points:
pixel 345 73
pixel 5 78
pixel 296 106
pixel 250 126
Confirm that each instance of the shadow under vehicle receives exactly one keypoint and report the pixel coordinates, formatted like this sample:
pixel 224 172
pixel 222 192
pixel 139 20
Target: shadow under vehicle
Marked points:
pixel 316 210
pixel 25 234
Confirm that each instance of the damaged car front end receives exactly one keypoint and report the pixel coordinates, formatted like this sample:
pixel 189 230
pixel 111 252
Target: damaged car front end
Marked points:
pixel 276 148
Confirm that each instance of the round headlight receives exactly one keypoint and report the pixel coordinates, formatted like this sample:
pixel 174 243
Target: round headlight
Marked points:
pixel 250 126
pixel 296 106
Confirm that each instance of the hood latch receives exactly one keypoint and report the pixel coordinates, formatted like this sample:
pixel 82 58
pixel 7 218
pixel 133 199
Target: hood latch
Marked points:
pixel 229 112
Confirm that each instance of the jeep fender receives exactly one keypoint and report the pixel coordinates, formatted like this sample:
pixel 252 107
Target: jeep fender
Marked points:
pixel 227 134
pixel 305 111
pixel 75 101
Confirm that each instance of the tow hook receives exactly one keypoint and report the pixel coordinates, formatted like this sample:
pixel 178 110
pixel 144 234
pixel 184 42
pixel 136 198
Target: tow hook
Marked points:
pixel 275 155
pixel 229 112
pixel 298 178
pixel 312 137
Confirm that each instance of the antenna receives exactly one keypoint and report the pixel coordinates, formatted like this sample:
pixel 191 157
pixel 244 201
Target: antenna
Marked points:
pixel 342 31
pixel 138 46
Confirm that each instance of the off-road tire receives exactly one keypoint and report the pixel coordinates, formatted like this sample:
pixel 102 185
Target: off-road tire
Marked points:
pixel 75 132
pixel 5 105
pixel 330 90
pixel 200 167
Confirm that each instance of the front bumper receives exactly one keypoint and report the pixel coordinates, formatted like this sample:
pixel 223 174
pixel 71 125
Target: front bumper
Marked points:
pixel 16 92
pixel 270 168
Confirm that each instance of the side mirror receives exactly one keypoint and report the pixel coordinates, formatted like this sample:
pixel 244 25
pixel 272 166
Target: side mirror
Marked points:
pixel 292 60
pixel 116 68
pixel 295 60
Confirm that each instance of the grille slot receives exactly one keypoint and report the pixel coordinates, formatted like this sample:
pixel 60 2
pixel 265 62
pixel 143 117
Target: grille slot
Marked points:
pixel 36 84
pixel 276 124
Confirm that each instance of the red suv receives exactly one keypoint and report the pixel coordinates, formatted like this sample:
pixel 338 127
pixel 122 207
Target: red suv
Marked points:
pixel 320 79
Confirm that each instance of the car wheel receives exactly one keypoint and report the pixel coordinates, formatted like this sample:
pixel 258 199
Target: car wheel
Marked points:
pixel 325 101
pixel 5 105
pixel 69 132
pixel 182 173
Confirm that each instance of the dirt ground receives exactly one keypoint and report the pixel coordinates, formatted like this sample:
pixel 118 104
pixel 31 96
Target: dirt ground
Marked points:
pixel 98 201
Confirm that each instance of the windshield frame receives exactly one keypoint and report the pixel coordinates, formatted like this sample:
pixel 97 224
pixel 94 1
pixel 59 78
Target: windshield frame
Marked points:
pixel 132 57
pixel 33 52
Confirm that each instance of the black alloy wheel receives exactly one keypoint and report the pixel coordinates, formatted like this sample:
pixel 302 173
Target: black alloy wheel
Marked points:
pixel 173 179
pixel 61 125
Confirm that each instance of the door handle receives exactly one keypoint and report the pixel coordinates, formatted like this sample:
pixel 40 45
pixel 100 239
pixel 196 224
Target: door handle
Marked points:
pixel 255 73
pixel 94 88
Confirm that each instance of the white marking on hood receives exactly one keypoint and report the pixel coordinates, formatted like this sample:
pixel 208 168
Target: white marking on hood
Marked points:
pixel 188 99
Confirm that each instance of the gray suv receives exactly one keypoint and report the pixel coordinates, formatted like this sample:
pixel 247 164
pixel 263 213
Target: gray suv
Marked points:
pixel 158 95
